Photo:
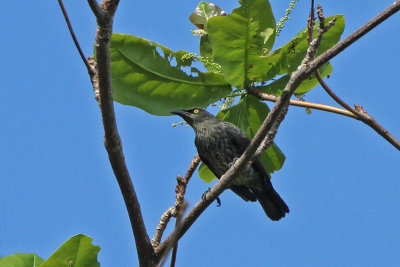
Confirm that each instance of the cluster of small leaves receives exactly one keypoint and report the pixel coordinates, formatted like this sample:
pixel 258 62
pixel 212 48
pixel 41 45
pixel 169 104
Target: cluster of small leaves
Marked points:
pixel 76 251
pixel 279 25
pixel 236 52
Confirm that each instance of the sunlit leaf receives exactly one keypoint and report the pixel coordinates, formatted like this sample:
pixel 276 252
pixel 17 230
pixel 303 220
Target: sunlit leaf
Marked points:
pixel 240 39
pixel 143 75
pixel 76 251
pixel 21 260
pixel 206 174
pixel 203 12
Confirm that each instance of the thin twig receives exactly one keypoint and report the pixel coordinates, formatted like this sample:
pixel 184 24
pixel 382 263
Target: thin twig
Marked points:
pixel 361 114
pixel 305 104
pixel 112 140
pixel 178 224
pixel 174 240
pixel 175 210
pixel 358 113
pixel 266 129
pixel 311 23
pixel 71 31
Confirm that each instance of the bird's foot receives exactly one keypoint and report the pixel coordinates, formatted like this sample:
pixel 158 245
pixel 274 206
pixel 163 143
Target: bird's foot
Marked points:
pixel 204 197
pixel 233 162
pixel 218 202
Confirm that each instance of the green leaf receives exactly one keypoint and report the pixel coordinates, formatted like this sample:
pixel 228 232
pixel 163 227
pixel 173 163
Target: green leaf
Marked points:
pixel 205 47
pixel 203 12
pixel 248 114
pixel 77 251
pixel 144 78
pixel 277 86
pixel 206 174
pixel 287 58
pixel 240 39
pixel 21 260
pixel 260 12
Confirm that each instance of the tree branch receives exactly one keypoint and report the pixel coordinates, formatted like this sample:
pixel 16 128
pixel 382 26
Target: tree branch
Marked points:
pixel 112 140
pixel 71 31
pixel 97 10
pixel 361 114
pixel 175 210
pixel 270 125
pixel 358 112
pixel 305 104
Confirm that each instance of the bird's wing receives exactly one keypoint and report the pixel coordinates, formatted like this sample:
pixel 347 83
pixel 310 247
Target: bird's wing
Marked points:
pixel 241 191
pixel 242 142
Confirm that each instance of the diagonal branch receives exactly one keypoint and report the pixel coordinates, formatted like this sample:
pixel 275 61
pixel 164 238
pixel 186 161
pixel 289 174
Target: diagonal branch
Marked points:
pixel 361 114
pixel 271 123
pixel 112 140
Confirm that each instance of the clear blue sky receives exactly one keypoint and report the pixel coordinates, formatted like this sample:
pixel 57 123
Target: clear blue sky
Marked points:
pixel 341 180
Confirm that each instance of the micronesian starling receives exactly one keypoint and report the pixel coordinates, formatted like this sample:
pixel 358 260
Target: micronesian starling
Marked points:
pixel 219 144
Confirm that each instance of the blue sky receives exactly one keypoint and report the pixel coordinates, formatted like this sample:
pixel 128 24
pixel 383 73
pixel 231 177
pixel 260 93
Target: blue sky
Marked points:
pixel 341 180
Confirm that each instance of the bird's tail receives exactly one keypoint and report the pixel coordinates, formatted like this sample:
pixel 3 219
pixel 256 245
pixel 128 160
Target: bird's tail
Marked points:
pixel 273 204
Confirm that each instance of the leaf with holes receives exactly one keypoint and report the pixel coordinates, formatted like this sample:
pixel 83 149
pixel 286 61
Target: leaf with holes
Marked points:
pixel 143 76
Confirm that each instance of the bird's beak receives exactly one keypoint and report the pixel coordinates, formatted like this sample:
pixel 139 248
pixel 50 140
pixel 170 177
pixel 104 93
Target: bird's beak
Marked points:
pixel 177 112
pixel 183 114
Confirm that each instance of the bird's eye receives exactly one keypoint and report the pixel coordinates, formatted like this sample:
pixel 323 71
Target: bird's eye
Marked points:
pixel 196 111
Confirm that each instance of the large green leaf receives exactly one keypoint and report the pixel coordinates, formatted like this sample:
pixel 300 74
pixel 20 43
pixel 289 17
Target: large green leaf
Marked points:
pixel 143 77
pixel 277 86
pixel 76 251
pixel 248 114
pixel 260 12
pixel 240 39
pixel 21 260
pixel 287 58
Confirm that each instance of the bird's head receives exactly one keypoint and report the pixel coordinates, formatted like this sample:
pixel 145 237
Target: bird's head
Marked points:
pixel 195 116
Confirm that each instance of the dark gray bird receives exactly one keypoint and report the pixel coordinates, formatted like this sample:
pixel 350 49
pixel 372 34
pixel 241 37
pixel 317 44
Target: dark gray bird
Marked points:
pixel 219 143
